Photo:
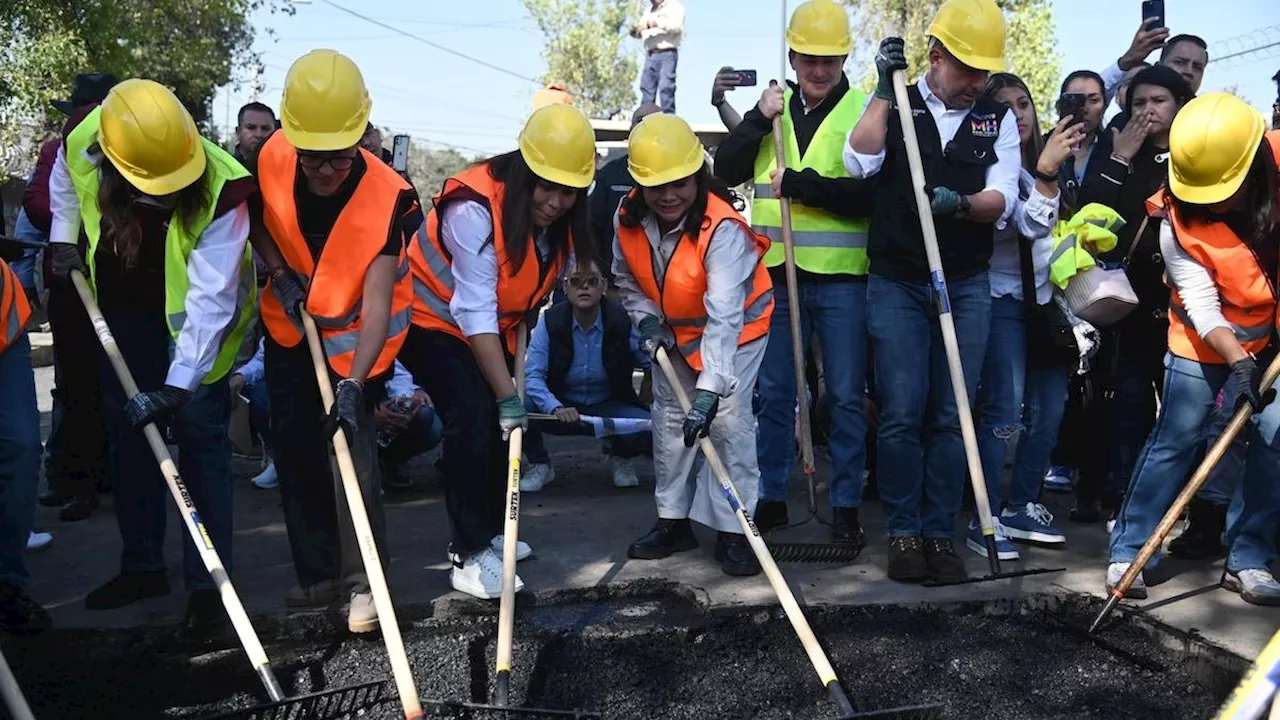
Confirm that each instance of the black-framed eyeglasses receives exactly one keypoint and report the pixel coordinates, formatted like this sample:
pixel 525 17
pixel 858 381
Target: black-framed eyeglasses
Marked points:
pixel 337 162
pixel 591 281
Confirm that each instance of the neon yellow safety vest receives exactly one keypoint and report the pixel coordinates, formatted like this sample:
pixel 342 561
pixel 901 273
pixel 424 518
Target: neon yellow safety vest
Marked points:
pixel 1093 227
pixel 179 241
pixel 825 243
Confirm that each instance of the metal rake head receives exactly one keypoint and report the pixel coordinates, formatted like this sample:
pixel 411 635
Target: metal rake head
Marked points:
pixel 339 704
pixel 484 711
pixel 784 552
pixel 910 712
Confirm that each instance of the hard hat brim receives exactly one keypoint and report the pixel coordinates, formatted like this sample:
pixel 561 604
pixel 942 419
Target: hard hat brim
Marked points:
pixel 821 50
pixel 561 177
pixel 679 172
pixel 981 62
pixel 177 180
pixel 322 142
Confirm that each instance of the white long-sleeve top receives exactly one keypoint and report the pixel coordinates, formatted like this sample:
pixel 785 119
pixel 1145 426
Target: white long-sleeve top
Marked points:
pixel 668 26
pixel 466 227
pixel 1002 176
pixel 1196 286
pixel 213 276
pixel 1033 218
pixel 730 265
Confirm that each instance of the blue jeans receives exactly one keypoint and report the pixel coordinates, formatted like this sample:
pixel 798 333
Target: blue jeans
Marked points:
pixel 260 412
pixel 837 311
pixel 619 446
pixel 921 461
pixel 1223 483
pixel 1255 513
pixel 19 459
pixel 658 79
pixel 1007 385
pixel 199 429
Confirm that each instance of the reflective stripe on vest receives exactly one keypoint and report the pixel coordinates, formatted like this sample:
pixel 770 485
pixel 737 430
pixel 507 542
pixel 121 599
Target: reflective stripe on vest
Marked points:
pixel 1245 334
pixel 825 243
pixel 180 238
pixel 15 312
pixel 336 279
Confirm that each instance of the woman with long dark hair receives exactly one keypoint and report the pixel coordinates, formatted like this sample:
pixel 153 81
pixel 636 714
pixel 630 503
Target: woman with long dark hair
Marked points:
pixel 1016 367
pixel 500 236
pixel 165 214
pixel 691 277
pixel 1220 238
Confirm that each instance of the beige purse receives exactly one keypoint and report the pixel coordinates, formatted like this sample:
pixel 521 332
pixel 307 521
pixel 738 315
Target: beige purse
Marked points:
pixel 1104 297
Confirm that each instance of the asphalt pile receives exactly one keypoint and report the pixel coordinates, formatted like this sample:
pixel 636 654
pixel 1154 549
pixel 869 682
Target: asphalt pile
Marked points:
pixel 639 657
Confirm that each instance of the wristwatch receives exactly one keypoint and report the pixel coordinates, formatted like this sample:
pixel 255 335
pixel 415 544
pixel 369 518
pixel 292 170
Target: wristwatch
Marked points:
pixel 962 210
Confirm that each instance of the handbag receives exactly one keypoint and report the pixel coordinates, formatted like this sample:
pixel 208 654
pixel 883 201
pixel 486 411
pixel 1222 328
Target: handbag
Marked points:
pixel 1103 297
pixel 1050 340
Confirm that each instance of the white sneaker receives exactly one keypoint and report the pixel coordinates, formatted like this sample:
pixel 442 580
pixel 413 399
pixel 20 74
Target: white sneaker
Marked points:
pixel 1256 586
pixel 624 475
pixel 480 576
pixel 38 541
pixel 1116 570
pixel 523 551
pixel 267 480
pixel 362 616
pixel 538 476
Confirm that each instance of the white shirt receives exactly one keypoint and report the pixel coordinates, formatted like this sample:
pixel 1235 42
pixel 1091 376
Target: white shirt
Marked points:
pixel 1196 286
pixel 730 264
pixel 1001 177
pixel 668 27
pixel 1112 76
pixel 1033 218
pixel 466 227
pixel 213 277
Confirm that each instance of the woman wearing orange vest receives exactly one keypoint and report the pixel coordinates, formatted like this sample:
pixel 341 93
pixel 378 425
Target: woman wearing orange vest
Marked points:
pixel 499 237
pixel 1221 243
pixel 340 219
pixel 690 274
pixel 19 458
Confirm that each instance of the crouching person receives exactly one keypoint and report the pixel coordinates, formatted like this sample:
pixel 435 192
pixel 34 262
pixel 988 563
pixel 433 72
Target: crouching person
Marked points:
pixel 690 274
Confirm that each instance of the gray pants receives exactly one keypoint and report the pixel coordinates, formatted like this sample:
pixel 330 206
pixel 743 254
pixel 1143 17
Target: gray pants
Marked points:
pixel 681 494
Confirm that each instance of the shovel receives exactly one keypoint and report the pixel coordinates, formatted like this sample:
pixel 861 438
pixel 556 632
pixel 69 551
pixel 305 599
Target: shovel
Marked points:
pixel 948 327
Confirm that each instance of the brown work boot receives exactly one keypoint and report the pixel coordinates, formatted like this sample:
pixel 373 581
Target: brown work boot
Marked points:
pixel 906 559
pixel 318 595
pixel 945 566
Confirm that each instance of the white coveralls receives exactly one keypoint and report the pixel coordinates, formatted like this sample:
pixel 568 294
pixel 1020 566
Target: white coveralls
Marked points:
pixel 728 370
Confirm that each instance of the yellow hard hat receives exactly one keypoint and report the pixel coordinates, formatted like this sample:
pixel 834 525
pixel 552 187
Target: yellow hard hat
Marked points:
pixel 325 105
pixel 1212 143
pixel 150 137
pixel 663 149
pixel 559 146
pixel 973 31
pixel 819 27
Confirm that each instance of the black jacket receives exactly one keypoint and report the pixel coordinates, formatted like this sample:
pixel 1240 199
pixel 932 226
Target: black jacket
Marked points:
pixel 613 182
pixel 618 361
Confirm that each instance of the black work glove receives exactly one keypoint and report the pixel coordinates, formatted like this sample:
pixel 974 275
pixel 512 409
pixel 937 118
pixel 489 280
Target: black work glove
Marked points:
pixel 654 334
pixel 63 258
pixel 156 406
pixel 345 412
pixel 891 57
pixel 289 291
pixel 697 423
pixel 1246 384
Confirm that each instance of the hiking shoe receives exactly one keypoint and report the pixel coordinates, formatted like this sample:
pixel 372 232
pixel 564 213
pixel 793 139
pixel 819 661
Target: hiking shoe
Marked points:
pixel 538 476
pixel 906 559
pixel 944 565
pixel 267 479
pixel 735 555
pixel 1116 570
pixel 78 508
pixel 20 614
pixel 624 475
pixel 205 615
pixel 1256 586
pixel 771 515
pixel 362 616
pixel 1031 523
pixel 1058 479
pixel 317 595
pixel 480 575
pixel 666 537
pixel 846 531
pixel 38 541
pixel 1203 536
pixel 127 588
pixel 977 542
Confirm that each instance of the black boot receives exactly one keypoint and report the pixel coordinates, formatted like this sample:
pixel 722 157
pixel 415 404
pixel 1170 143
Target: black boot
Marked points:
pixel 944 564
pixel 846 531
pixel 205 615
pixel 128 587
pixel 20 614
pixel 735 556
pixel 906 559
pixel 771 515
pixel 1203 536
pixel 666 537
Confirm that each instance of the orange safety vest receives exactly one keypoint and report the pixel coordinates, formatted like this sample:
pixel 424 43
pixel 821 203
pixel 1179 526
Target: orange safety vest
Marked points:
pixel 336 283
pixel 15 311
pixel 681 291
pixel 518 292
pixel 1248 299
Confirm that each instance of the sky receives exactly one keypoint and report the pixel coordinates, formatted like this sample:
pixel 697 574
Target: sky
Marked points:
pixel 440 97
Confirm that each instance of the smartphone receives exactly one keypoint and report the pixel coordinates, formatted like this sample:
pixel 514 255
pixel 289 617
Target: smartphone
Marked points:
pixel 743 78
pixel 1153 9
pixel 400 153
pixel 1072 104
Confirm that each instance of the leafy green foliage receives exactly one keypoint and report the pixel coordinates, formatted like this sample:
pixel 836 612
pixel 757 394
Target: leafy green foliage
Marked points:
pixel 584 52
pixel 429 168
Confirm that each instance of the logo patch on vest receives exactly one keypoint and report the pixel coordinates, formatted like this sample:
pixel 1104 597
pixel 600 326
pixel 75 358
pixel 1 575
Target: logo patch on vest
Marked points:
pixel 984 126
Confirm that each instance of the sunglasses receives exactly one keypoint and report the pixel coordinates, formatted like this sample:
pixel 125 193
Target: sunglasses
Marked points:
pixel 591 281
pixel 315 162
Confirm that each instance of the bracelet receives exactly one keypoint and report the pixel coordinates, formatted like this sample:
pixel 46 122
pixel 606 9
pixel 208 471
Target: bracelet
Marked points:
pixel 717 105
pixel 1120 159
pixel 344 381
pixel 1051 179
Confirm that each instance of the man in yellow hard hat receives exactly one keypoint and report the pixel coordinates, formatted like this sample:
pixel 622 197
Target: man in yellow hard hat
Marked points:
pixel 165 215
pixel 970 151
pixel 340 220
pixel 829 214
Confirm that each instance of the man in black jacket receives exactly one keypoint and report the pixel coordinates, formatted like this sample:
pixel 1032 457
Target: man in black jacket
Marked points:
pixel 613 182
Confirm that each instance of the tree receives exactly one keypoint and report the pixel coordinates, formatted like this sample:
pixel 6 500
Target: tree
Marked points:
pixel 584 52
pixel 429 168
pixel 1030 46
